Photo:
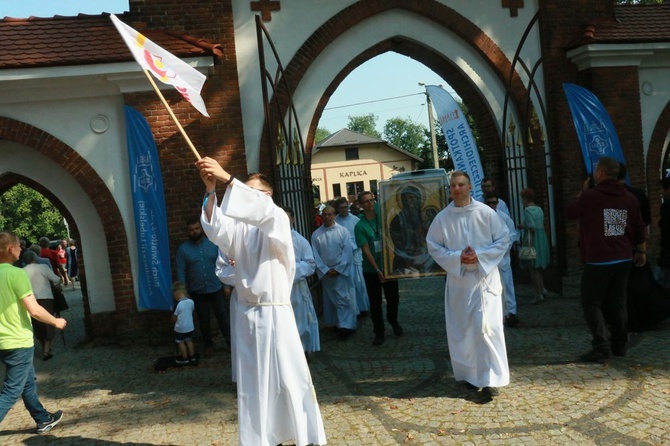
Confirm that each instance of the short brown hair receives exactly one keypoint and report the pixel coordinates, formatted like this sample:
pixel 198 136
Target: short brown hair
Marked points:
pixel 608 166
pixel 460 173
pixel 528 194
pixel 264 180
pixel 7 238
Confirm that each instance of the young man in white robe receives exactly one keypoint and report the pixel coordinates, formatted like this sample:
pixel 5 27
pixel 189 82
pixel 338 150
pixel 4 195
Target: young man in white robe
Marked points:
pixel 505 267
pixel 301 297
pixel 276 397
pixel 333 253
pixel 468 240
pixel 349 221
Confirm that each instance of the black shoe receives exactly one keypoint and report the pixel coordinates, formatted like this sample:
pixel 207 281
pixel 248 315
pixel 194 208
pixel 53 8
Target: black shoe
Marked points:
pixel 619 350
pixel 362 315
pixel 397 329
pixel 491 391
pixel 511 320
pixel 43 428
pixel 379 339
pixel 344 333
pixel 595 356
pixel 470 386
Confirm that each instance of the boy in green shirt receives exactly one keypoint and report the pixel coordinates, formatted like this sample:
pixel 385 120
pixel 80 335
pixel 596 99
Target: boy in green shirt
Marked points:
pixel 17 305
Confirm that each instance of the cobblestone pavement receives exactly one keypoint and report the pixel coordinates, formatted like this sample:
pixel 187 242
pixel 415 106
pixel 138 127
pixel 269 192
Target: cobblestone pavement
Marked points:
pixel 402 392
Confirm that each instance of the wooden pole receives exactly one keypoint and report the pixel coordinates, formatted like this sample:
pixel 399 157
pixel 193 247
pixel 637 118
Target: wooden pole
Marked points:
pixel 172 115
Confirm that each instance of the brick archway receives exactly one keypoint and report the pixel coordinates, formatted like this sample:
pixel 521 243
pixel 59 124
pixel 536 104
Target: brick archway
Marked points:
pixel 103 201
pixel 655 161
pixel 447 18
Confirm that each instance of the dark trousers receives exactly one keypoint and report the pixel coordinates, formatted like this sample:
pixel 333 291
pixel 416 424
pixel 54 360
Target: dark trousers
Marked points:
pixel 216 302
pixel 374 287
pixel 604 303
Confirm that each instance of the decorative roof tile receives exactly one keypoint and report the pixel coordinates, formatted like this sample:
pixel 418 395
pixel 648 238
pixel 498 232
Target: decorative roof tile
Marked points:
pixel 83 39
pixel 632 24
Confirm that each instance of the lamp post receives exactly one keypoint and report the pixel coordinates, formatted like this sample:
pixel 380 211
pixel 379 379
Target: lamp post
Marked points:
pixel 431 123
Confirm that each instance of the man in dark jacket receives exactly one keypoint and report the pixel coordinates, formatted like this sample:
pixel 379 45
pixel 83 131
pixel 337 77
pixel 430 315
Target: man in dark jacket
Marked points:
pixel 611 236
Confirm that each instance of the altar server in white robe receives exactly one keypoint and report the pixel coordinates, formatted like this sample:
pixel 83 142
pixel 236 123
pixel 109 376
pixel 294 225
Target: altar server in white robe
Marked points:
pixel 349 221
pixel 505 266
pixel 333 253
pixel 276 397
pixel 225 271
pixel 301 297
pixel 468 240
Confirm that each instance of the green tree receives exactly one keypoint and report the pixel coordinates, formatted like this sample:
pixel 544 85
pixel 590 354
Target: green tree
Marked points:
pixel 321 134
pixel 405 134
pixel 30 215
pixel 366 124
pixel 426 150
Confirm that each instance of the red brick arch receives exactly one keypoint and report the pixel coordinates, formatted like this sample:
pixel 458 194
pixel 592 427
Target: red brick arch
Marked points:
pixel 655 161
pixel 445 17
pixel 103 201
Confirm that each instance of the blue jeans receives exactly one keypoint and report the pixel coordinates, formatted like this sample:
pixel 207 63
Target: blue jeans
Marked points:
pixel 20 382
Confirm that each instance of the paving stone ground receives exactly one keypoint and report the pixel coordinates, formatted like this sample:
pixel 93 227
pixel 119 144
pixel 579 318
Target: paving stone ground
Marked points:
pixel 402 392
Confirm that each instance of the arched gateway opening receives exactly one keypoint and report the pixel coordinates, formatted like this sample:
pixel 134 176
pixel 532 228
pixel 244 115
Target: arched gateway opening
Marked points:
pixel 32 157
pixel 498 92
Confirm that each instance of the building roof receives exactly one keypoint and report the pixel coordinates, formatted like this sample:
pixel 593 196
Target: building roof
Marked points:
pixel 633 24
pixel 346 137
pixel 83 39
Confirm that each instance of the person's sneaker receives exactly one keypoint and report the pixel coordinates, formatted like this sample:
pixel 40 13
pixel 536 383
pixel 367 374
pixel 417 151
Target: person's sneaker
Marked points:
pixel 397 329
pixel 511 320
pixel 43 428
pixel 595 356
pixel 537 300
pixel 379 339
pixel 491 391
pixel 181 361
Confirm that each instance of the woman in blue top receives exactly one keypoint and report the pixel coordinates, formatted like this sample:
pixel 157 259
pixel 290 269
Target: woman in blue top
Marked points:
pixel 533 226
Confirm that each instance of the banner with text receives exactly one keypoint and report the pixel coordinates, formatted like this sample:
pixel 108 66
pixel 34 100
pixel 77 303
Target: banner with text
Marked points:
pixel 154 279
pixel 594 127
pixel 458 135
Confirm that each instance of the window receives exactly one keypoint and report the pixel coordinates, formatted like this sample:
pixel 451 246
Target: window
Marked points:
pixel 336 191
pixel 353 189
pixel 373 187
pixel 351 153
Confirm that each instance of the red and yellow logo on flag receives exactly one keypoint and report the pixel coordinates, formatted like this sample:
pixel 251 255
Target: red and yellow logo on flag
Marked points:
pixel 163 65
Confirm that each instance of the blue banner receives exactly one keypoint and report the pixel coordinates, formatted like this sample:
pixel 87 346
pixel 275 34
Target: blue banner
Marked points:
pixel 462 144
pixel 594 127
pixel 154 279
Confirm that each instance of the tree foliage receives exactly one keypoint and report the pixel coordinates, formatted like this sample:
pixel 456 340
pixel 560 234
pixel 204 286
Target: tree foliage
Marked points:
pixel 366 124
pixel 405 134
pixel 321 134
pixel 30 215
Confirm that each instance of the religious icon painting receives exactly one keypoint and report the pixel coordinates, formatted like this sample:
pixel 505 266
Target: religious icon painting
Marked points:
pixel 409 203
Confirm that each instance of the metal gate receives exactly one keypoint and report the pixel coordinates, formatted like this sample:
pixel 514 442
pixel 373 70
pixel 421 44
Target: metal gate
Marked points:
pixel 284 142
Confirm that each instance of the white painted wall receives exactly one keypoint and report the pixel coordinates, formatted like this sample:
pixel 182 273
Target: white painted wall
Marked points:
pixel 67 108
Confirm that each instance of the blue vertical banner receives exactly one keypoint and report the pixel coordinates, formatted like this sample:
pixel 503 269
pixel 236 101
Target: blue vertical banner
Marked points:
pixel 457 132
pixel 594 127
pixel 150 216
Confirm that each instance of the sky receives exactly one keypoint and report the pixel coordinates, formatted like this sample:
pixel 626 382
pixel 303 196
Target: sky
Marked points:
pixel 386 86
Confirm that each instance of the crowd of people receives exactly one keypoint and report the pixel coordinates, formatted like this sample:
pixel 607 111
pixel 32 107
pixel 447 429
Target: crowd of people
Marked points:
pixel 246 265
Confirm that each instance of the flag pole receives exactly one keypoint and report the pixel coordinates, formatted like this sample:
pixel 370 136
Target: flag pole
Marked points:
pixel 172 115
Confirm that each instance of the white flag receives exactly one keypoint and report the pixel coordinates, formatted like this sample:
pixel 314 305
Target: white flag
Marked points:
pixel 456 129
pixel 165 66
